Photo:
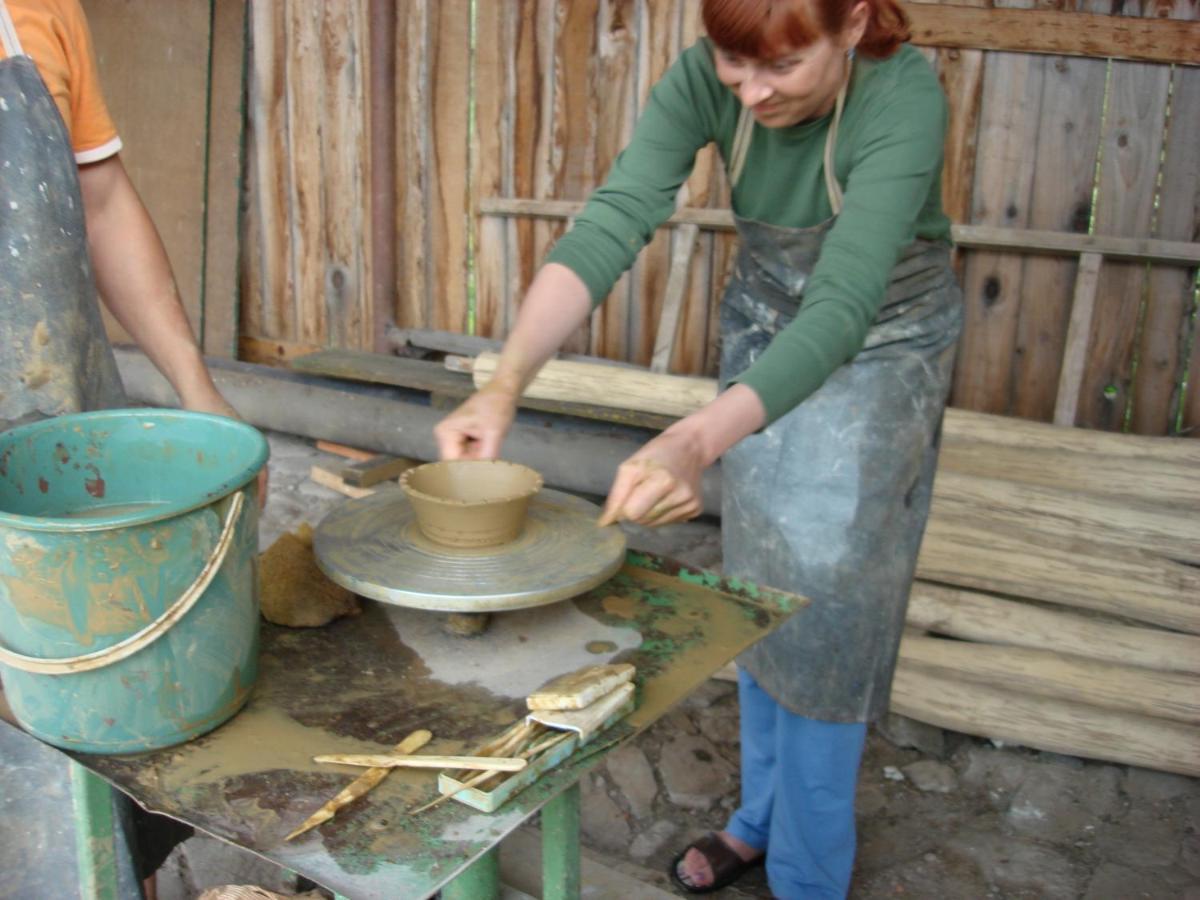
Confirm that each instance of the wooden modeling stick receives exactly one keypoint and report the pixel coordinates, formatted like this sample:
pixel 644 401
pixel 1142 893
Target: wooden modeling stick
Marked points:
pixel 390 761
pixel 518 736
pixel 361 784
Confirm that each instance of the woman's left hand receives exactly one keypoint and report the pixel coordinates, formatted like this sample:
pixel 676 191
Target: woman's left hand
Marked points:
pixel 659 484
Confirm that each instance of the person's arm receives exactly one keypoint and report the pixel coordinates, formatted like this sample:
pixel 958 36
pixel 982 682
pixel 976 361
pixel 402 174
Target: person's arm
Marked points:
pixel 135 281
pixel 660 483
pixel 556 304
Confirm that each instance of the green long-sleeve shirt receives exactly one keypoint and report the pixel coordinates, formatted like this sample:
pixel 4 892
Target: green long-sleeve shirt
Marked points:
pixel 888 159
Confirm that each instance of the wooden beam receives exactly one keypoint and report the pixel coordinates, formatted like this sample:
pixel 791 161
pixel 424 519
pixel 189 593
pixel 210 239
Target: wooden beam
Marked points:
pixel 1060 726
pixel 975 617
pixel 1045 673
pixel 1052 31
pixel 982 237
pixel 1070 376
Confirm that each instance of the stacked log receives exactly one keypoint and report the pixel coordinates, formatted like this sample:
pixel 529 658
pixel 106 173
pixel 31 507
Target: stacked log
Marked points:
pixel 1058 595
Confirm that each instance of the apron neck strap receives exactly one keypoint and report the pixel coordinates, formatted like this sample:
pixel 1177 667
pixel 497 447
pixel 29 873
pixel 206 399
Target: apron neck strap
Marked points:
pixel 745 129
pixel 8 33
pixel 831 183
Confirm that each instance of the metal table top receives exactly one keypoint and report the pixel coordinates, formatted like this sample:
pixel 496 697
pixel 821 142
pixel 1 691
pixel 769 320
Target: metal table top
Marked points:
pixel 361 684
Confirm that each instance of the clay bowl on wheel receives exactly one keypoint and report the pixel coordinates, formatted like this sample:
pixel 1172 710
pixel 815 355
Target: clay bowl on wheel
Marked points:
pixel 471 502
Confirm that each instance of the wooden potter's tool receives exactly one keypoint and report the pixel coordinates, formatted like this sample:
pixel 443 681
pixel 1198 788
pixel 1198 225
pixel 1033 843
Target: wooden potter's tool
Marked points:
pixel 567 713
pixel 374 547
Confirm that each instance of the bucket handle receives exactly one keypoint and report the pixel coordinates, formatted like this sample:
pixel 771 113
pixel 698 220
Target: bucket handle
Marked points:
pixel 98 659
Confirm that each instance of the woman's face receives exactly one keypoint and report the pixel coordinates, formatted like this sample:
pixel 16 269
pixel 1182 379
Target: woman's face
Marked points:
pixel 790 88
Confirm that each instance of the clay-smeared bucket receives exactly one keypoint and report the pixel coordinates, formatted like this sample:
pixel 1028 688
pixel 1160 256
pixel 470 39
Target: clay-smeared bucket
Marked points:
pixel 128 576
pixel 471 502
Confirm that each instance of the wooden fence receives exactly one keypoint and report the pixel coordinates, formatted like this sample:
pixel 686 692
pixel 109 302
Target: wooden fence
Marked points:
pixel 1072 169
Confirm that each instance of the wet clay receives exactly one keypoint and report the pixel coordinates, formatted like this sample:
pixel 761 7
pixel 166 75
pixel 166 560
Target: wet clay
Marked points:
pixel 471 502
pixel 294 591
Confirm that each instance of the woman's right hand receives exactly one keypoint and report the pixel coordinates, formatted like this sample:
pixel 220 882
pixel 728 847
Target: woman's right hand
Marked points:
pixel 477 428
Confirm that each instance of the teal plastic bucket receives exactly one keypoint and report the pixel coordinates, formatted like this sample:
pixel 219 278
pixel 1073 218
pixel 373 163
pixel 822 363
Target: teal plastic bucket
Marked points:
pixel 128 576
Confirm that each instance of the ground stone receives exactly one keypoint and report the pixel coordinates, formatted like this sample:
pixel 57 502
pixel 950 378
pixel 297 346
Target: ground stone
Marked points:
pixel 1114 882
pixel 869 800
pixel 926 877
pixel 1142 839
pixel 1048 804
pixel 709 693
pixel 1149 786
pixel 602 822
pixel 202 862
pixel 931 776
pixel 998 772
pixel 720 726
pixel 653 840
pixel 1189 854
pixel 693 772
pixel 631 773
pixel 1015 865
pixel 905 732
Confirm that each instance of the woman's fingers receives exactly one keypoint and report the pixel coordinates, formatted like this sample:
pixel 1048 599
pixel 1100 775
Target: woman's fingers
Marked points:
pixel 647 493
pixel 681 506
pixel 476 429
pixel 628 475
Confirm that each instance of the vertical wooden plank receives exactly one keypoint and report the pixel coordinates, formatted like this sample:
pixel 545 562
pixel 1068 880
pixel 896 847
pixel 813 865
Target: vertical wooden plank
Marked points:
pixel 1075 353
pixel 412 159
pixel 1168 327
pixel 450 88
pixel 613 112
pixel 265 312
pixel 1186 156
pixel 223 184
pixel 345 175
pixel 305 92
pixel 154 73
pixel 658 45
pixel 527 96
pixel 702 189
pixel 1010 111
pixel 961 75
pixel 1063 160
pixel 1132 144
pixel 491 161
pixel 573 146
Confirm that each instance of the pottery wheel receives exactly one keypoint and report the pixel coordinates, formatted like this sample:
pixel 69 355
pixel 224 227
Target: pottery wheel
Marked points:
pixel 374 547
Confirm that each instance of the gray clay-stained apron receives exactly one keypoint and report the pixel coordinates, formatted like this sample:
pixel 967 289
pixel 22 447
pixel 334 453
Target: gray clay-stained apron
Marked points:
pixel 54 356
pixel 830 500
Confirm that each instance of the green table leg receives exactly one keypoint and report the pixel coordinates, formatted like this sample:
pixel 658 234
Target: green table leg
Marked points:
pixel 479 881
pixel 94 839
pixel 560 846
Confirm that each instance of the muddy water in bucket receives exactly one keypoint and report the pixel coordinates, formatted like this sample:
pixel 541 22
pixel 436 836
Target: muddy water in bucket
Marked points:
pixel 128 585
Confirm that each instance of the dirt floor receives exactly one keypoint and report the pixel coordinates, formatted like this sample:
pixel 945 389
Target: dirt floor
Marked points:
pixel 941 815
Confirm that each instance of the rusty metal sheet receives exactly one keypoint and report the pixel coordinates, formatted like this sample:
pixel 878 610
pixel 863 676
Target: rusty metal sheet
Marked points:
pixel 361 684
pixel 374 547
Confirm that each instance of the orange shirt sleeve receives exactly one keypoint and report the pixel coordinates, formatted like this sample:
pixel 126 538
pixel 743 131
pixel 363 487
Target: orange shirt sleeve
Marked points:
pixel 56 34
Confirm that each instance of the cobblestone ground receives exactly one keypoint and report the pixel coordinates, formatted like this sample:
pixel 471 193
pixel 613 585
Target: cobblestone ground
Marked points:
pixel 940 815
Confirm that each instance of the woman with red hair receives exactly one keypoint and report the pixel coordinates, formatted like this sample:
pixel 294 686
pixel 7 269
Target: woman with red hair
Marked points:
pixel 838 330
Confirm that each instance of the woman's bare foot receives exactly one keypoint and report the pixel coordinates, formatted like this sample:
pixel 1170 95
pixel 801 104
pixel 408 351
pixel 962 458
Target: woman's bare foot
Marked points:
pixel 695 870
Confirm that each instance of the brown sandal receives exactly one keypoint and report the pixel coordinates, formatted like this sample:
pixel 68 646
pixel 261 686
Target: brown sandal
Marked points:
pixel 727 867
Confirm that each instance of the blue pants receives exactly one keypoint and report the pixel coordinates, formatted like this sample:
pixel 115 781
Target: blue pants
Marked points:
pixel 798 780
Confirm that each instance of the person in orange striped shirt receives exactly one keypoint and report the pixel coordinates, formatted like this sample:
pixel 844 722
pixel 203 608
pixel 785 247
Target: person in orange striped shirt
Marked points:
pixel 71 222
pixel 130 266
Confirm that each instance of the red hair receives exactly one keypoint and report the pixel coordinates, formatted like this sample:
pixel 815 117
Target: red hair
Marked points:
pixel 764 29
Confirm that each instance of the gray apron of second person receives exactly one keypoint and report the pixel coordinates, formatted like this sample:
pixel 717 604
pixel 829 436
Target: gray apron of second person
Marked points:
pixel 830 500
pixel 54 355
pixel 54 359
